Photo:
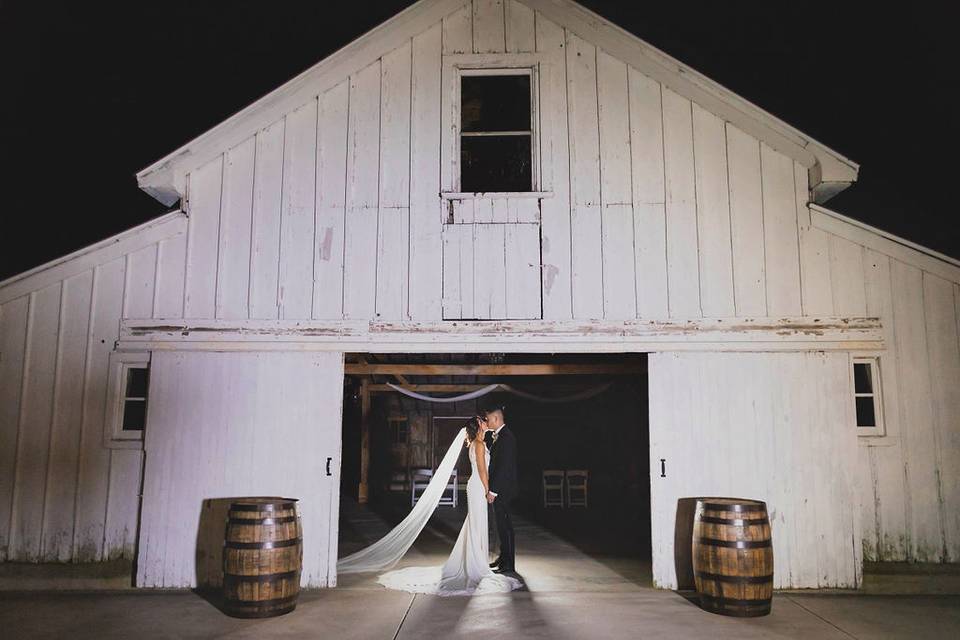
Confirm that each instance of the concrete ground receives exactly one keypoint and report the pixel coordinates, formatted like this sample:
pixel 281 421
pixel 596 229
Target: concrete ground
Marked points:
pixel 570 593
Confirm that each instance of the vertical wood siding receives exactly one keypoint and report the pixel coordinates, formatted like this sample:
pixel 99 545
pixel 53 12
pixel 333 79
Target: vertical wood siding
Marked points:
pixel 658 209
pixel 740 425
pixel 273 438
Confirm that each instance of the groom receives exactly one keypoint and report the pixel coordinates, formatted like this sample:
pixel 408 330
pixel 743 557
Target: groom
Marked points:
pixel 503 484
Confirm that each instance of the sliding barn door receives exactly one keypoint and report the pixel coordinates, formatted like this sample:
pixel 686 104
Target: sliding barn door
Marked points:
pixel 769 426
pixel 491 259
pixel 226 425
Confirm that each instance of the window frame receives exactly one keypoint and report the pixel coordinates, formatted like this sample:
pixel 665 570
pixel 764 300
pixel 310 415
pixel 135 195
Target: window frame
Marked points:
pixel 879 429
pixel 114 436
pixel 393 422
pixel 454 68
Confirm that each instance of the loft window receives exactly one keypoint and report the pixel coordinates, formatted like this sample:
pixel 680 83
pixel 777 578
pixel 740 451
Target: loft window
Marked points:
pixel 496 131
pixel 399 429
pixel 127 391
pixel 867 399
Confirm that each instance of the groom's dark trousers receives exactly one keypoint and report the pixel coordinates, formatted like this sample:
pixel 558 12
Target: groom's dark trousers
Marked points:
pixel 503 482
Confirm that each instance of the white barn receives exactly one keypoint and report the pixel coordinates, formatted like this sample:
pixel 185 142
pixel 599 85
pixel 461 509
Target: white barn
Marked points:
pixel 355 210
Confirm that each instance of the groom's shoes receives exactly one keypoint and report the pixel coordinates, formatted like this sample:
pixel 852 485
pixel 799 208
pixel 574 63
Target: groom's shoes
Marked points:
pixel 495 563
pixel 504 570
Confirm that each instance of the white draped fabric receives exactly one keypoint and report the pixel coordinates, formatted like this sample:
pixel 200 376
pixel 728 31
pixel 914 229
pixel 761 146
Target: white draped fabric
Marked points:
pixel 583 395
pixel 387 551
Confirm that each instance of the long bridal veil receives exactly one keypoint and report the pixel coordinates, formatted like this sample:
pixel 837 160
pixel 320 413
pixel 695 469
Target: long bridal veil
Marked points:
pixel 387 551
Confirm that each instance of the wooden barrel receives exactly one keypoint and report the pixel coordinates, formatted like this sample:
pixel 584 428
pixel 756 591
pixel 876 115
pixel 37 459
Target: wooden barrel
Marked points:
pixel 733 556
pixel 262 557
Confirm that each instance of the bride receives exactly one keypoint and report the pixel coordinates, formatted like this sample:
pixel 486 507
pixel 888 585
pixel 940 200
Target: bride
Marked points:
pixel 466 571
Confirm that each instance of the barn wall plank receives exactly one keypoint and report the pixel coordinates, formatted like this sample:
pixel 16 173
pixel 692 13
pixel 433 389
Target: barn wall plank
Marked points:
pixel 555 174
pixel 522 270
pixel 616 191
pixel 297 213
pixel 944 361
pixel 94 465
pixel 746 223
pixel 425 271
pixel 585 222
pixel 360 269
pixel 683 270
pixel 488 26
pixel 649 231
pixel 782 255
pixel 13 341
pixel 890 531
pixel 393 226
pixel 925 534
pixel 36 415
pixel 171 271
pixel 489 271
pixel 61 470
pixel 202 240
pixel 265 243
pixel 846 277
pixel 141 278
pixel 458 31
pixel 120 523
pixel 236 223
pixel 713 214
pixel 331 194
pixel 816 296
pixel 520 27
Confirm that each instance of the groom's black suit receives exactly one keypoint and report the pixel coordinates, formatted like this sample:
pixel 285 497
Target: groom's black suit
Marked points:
pixel 503 482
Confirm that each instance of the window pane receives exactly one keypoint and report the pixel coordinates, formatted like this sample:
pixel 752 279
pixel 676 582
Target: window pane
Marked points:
pixel 495 163
pixel 134 415
pixel 862 380
pixel 495 103
pixel 136 382
pixel 865 413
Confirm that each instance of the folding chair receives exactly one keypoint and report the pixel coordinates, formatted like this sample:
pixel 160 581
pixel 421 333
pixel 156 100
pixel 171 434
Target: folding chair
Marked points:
pixel 552 488
pixel 577 487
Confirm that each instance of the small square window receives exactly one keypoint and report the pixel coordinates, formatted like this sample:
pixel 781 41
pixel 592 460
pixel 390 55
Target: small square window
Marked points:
pixel 496 133
pixel 867 398
pixel 399 429
pixel 127 391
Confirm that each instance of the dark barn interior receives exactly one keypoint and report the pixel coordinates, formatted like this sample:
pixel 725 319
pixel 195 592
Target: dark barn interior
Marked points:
pixel 589 414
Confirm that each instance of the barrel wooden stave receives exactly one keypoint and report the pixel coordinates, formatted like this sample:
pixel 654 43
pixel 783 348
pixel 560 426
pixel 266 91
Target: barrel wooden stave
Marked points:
pixel 733 557
pixel 262 557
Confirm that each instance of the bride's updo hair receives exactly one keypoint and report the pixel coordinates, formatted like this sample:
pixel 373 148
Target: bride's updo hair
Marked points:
pixel 473 429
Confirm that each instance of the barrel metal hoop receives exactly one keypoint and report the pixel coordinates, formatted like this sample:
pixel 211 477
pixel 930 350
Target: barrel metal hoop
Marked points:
pixel 275 544
pixel 264 603
pixel 262 520
pixel 733 579
pixel 263 578
pixel 735 544
pixel 725 602
pixel 737 522
pixel 738 508
pixel 266 506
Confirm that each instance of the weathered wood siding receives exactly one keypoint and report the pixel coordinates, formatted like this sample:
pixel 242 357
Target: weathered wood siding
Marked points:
pixel 64 496
pixel 774 427
pixel 909 479
pixel 657 208
pixel 272 433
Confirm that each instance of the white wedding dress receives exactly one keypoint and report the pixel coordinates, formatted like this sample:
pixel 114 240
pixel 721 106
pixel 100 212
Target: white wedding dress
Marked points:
pixel 466 571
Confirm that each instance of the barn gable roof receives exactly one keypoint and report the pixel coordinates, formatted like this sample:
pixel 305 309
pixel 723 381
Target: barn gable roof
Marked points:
pixel 829 171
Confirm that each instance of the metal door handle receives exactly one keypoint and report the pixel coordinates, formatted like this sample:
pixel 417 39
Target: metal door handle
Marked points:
pixel 663 467
pixel 328 466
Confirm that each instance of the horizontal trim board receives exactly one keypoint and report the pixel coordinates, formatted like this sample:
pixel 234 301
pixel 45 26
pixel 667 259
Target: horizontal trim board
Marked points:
pixel 885 243
pixel 166 226
pixel 494 195
pixel 733 334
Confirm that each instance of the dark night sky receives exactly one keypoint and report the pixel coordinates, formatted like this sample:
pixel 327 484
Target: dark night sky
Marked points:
pixel 93 92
